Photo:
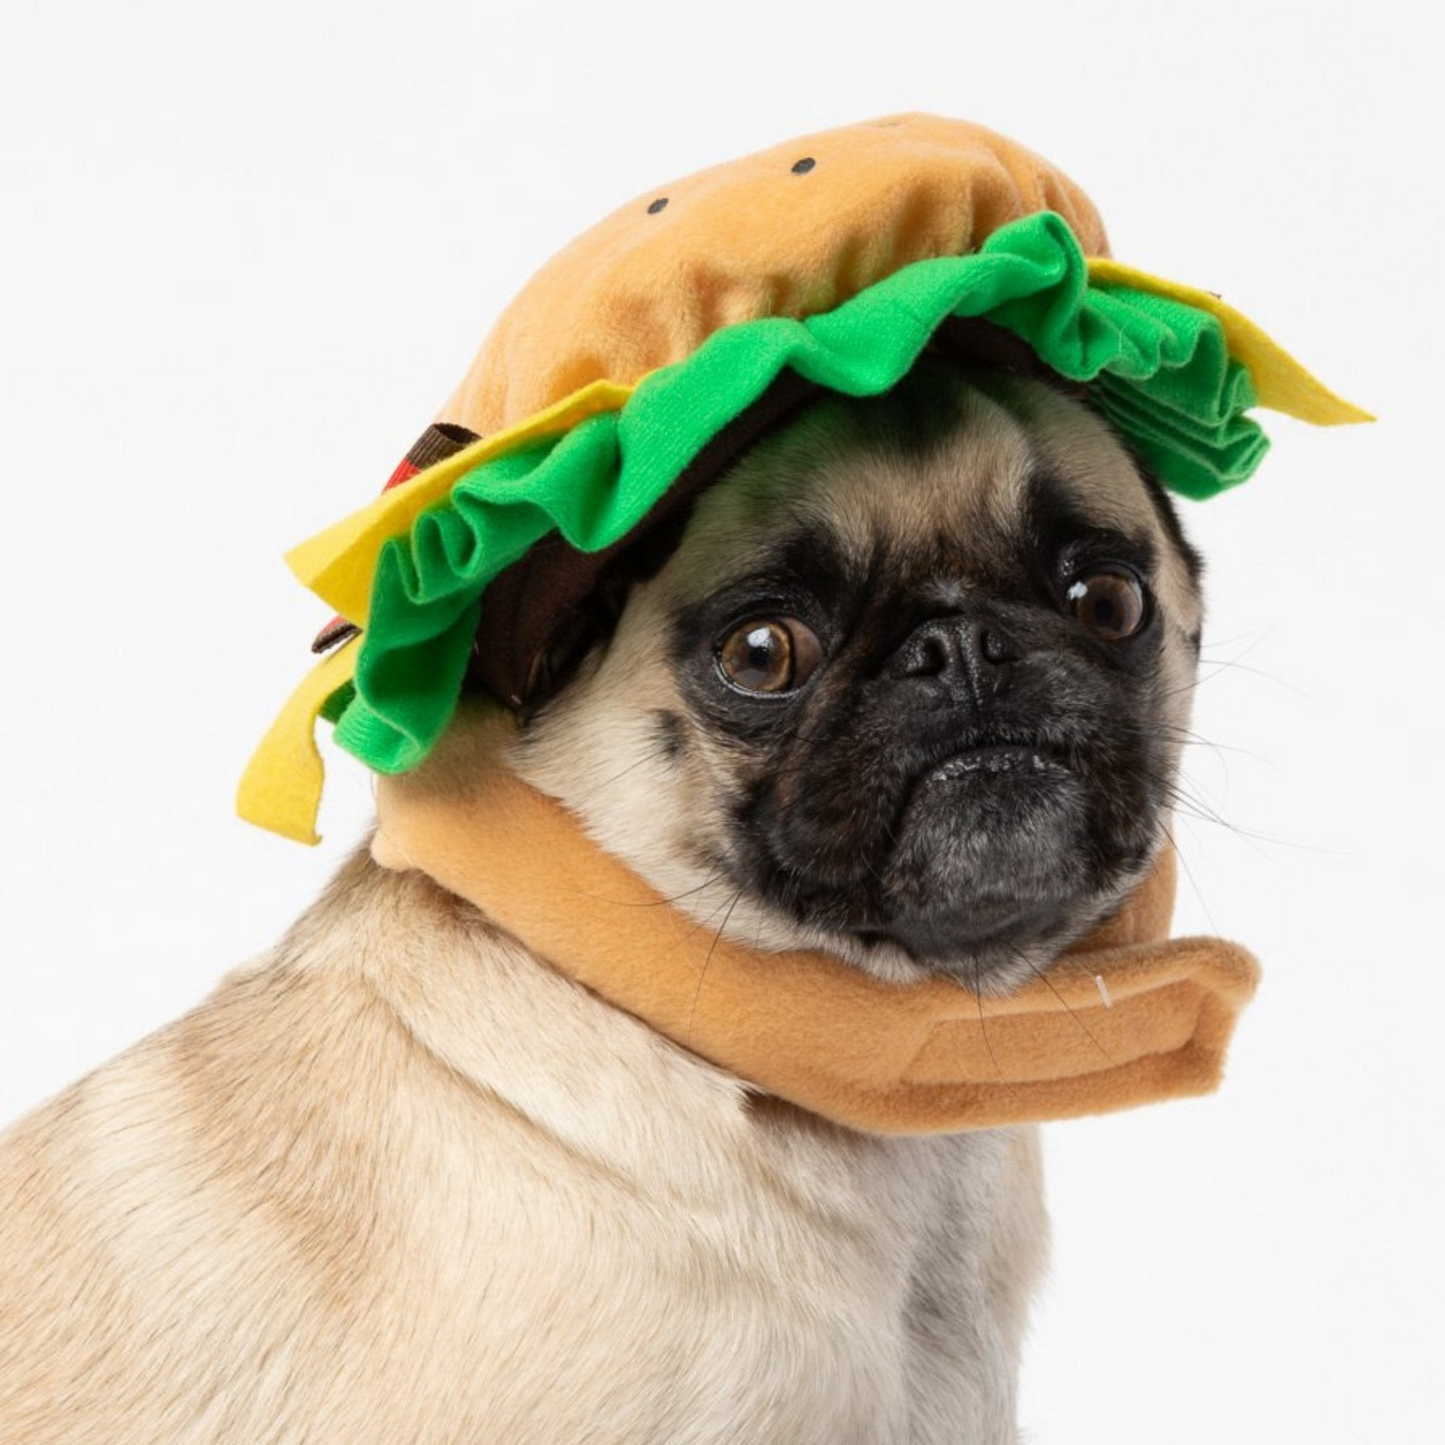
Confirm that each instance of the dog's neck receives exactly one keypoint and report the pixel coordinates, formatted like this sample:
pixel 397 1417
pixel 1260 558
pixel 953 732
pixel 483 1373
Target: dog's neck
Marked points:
pixel 1127 1018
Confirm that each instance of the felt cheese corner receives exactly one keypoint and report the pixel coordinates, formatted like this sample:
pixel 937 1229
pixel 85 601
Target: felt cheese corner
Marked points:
pixel 620 381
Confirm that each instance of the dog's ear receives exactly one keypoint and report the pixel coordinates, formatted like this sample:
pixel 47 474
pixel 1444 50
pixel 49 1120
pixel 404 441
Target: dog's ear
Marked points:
pixel 591 622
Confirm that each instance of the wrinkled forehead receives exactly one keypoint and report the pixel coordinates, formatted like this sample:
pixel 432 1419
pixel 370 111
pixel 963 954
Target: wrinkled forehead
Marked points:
pixel 949 468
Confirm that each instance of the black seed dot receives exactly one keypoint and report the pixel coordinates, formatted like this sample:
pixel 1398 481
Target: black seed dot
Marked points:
pixel 657 205
pixel 802 167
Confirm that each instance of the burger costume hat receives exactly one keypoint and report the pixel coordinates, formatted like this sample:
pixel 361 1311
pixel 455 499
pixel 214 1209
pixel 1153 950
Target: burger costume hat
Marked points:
pixel 618 384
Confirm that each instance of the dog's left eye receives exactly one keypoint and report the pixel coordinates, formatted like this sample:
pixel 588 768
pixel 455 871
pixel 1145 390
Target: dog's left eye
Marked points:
pixel 772 654
pixel 1110 604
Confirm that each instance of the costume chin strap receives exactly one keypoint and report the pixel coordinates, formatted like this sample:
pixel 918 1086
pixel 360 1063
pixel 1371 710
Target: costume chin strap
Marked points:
pixel 1127 1018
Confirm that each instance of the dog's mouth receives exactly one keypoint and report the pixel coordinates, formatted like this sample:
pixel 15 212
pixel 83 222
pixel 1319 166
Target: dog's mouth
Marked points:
pixel 994 761
pixel 969 846
pixel 988 775
pixel 998 758
pixel 986 848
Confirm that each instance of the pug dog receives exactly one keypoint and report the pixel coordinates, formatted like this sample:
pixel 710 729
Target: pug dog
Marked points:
pixel 907 686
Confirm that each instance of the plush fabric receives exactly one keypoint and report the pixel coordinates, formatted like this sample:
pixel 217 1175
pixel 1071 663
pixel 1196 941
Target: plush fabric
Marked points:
pixel 1125 1019
pixel 285 792
pixel 833 258
pixel 762 235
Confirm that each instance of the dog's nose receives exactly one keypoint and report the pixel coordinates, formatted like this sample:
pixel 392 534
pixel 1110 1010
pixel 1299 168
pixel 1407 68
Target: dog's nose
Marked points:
pixel 956 650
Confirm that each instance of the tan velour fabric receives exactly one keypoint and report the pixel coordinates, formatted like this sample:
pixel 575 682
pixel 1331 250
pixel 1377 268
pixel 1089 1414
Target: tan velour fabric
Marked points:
pixel 767 234
pixel 1125 1019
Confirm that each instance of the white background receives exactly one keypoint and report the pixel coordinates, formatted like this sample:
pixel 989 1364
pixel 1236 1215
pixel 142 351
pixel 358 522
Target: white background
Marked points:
pixel 246 252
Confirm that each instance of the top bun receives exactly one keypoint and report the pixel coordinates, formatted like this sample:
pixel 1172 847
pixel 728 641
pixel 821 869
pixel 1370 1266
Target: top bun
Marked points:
pixel 790 231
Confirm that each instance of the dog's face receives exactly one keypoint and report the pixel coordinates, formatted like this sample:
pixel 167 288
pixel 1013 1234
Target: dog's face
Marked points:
pixel 911 688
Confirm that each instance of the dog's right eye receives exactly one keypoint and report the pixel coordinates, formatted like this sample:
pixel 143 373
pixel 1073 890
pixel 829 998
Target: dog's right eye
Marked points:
pixel 773 654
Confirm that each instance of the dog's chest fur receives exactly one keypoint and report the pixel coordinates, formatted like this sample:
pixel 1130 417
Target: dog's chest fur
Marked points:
pixel 403 1182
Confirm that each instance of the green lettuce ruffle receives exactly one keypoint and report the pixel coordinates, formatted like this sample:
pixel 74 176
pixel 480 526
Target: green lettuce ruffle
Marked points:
pixel 1160 371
